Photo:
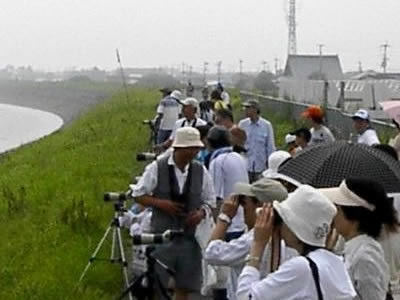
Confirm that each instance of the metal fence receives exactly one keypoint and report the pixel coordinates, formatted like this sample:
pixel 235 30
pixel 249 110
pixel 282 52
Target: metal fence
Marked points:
pixel 339 122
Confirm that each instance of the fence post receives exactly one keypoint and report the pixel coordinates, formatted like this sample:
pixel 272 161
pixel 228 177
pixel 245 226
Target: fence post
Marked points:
pixel 340 103
pixel 325 99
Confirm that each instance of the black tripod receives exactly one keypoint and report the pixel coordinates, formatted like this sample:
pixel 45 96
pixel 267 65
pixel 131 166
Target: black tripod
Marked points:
pixel 144 286
pixel 117 247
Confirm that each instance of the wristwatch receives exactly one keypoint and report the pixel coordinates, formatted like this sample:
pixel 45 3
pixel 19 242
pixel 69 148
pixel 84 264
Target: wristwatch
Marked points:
pixel 251 258
pixel 224 218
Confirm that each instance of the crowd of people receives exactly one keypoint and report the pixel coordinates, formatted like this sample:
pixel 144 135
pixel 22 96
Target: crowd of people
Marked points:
pixel 250 232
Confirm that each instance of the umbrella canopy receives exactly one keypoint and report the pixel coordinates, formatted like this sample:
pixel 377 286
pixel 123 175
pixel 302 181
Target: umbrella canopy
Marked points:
pixel 326 165
pixel 392 109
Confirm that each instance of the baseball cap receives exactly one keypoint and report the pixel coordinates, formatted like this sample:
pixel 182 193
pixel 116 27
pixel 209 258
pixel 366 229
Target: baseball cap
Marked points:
pixel 252 103
pixel 361 114
pixel 265 190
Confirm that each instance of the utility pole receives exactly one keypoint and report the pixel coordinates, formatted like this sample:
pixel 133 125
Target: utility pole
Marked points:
pixel 360 69
pixel 320 46
pixel 276 60
pixel 183 72
pixel 205 65
pixel 292 42
pixel 190 72
pixel 385 56
pixel 240 70
pixel 264 64
pixel 219 64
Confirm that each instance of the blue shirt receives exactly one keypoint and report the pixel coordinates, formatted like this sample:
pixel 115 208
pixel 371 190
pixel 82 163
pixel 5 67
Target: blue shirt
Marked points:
pixel 259 144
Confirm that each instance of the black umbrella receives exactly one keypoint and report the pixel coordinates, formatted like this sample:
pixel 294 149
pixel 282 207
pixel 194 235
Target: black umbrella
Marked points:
pixel 326 165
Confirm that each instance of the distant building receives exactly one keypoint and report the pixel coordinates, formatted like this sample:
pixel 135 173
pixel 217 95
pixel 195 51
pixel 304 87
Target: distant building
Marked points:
pixel 304 67
pixel 372 75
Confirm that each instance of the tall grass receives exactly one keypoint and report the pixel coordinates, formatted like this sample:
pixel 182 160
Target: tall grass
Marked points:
pixel 51 209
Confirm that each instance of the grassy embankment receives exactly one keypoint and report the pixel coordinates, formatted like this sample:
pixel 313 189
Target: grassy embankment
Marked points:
pixel 51 210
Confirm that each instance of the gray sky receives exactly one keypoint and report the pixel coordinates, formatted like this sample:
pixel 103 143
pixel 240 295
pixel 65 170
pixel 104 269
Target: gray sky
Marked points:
pixel 59 34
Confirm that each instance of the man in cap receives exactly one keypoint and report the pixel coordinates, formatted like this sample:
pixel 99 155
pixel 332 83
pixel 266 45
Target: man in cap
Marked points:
pixel 168 112
pixel 361 123
pixel 233 253
pixel 179 190
pixel 189 111
pixel 319 132
pixel 260 141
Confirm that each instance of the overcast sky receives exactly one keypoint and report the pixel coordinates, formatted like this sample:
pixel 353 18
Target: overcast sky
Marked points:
pixel 59 34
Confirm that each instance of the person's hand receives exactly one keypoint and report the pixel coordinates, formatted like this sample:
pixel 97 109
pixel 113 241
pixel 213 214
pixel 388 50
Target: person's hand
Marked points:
pixel 230 206
pixel 170 207
pixel 264 225
pixel 194 217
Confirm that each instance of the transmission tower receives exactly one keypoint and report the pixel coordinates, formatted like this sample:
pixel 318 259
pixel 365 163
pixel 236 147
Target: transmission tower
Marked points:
pixel 292 43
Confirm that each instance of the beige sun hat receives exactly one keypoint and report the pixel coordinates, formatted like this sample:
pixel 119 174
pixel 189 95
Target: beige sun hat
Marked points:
pixel 187 137
pixel 342 195
pixel 265 190
pixel 308 213
pixel 191 101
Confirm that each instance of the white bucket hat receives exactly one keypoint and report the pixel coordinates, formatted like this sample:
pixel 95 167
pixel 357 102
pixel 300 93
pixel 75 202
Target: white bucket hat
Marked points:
pixel 265 190
pixel 190 101
pixel 176 95
pixel 308 214
pixel 187 137
pixel 274 161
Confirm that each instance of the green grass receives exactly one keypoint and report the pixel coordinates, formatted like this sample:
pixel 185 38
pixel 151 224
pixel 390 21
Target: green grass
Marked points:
pixel 51 210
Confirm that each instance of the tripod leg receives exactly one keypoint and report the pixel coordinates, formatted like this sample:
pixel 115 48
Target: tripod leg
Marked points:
pixel 113 245
pixel 93 257
pixel 123 260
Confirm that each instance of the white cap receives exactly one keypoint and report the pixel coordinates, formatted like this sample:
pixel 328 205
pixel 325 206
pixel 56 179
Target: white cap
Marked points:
pixel 342 195
pixel 190 101
pixel 186 137
pixel 308 214
pixel 361 114
pixel 290 138
pixel 176 94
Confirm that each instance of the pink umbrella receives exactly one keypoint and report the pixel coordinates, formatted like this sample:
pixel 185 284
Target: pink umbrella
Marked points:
pixel 392 109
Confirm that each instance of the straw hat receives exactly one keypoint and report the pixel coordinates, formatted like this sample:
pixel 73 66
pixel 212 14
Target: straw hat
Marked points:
pixel 187 137
pixel 308 214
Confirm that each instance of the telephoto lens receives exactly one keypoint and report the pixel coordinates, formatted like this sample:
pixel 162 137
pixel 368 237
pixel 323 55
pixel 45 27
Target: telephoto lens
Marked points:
pixel 146 156
pixel 146 122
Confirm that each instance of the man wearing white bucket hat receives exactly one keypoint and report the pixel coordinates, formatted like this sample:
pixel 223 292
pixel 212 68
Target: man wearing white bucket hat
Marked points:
pixel 304 219
pixel 180 191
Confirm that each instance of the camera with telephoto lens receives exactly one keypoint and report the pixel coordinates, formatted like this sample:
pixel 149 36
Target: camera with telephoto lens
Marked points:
pixel 146 156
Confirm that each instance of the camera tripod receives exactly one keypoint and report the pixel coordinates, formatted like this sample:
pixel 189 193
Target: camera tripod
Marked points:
pixel 117 247
pixel 144 286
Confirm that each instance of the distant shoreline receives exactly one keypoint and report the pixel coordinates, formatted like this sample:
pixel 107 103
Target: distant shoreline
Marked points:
pixel 65 99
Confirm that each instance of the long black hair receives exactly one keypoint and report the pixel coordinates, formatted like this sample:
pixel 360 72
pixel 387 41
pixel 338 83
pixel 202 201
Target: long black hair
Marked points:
pixel 371 222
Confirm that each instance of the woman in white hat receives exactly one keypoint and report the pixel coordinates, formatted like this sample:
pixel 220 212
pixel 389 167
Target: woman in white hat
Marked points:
pixel 364 212
pixel 304 220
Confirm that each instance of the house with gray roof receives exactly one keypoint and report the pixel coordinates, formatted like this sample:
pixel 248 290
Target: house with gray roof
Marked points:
pixel 304 67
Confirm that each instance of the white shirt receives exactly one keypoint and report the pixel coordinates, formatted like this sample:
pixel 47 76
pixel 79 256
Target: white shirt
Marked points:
pixel 226 170
pixel 170 110
pixel 225 97
pixel 368 137
pixel 294 280
pixel 186 123
pixel 233 254
pixel 368 270
pixel 321 135
pixel 148 182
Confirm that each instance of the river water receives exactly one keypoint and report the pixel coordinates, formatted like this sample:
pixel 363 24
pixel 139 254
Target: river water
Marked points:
pixel 21 125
